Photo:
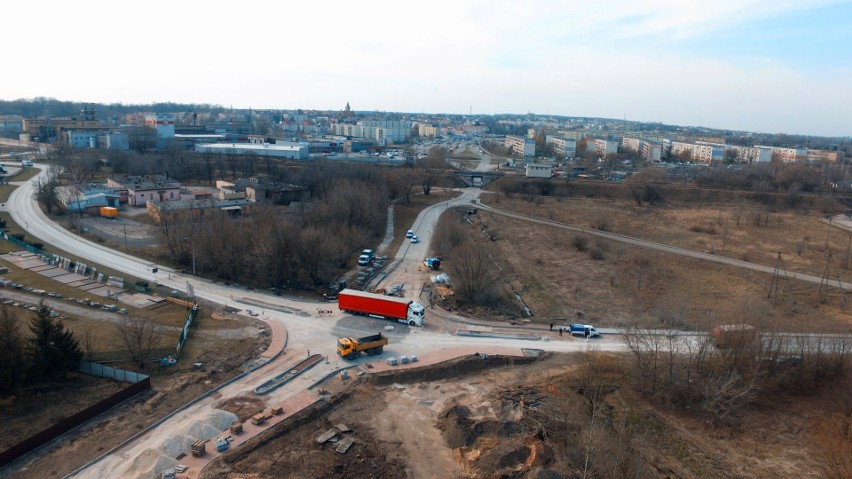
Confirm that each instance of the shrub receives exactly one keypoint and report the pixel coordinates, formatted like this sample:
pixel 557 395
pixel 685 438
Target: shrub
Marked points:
pixel 580 243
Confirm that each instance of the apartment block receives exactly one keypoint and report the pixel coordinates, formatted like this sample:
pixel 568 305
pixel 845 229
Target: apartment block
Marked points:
pixel 699 153
pixel 563 146
pixel 602 148
pixel 520 145
pixel 788 154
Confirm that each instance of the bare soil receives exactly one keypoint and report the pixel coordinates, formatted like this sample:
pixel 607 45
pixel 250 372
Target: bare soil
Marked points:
pixel 524 421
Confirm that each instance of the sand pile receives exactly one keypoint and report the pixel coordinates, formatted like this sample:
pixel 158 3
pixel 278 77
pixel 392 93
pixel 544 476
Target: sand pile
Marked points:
pixel 148 465
pixel 177 444
pixel 220 419
pixel 201 430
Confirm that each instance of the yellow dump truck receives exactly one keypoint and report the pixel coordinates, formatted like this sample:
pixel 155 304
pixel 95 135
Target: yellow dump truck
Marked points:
pixel 350 348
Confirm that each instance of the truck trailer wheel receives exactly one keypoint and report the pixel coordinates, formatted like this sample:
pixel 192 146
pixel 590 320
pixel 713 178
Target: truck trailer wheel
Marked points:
pixel 412 323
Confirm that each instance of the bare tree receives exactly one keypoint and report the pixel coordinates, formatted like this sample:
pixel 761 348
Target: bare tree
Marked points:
pixel 474 273
pixel 88 344
pixel 139 337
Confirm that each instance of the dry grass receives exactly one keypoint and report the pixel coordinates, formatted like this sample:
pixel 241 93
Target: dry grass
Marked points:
pixel 634 285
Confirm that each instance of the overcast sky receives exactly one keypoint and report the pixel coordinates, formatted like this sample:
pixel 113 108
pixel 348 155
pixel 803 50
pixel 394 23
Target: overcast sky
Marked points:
pixel 758 65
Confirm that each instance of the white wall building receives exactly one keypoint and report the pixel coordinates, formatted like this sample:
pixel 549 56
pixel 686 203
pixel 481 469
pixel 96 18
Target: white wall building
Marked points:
pixel 288 151
pixel 164 124
pixel 534 170
pixel 83 138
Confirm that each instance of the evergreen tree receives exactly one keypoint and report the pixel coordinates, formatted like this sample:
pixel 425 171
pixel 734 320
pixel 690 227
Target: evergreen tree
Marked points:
pixel 12 360
pixel 52 349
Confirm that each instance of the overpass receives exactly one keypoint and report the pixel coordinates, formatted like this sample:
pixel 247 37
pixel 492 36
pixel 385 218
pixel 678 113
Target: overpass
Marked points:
pixel 477 178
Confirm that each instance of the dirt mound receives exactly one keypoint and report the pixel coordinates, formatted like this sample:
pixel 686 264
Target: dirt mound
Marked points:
pixel 177 444
pixel 220 419
pixel 455 425
pixel 148 465
pixel 201 430
pixel 243 406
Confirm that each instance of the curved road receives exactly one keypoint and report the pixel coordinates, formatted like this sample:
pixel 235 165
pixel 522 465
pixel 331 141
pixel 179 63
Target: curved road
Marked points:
pixel 305 329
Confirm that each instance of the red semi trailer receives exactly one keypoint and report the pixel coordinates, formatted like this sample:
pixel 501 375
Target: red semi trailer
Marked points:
pixel 388 307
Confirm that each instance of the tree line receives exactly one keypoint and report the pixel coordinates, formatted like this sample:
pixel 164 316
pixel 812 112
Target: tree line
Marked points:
pixel 305 246
pixel 46 351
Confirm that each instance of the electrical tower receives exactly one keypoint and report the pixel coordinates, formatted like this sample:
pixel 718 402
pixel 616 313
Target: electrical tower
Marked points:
pixel 828 276
pixel 779 277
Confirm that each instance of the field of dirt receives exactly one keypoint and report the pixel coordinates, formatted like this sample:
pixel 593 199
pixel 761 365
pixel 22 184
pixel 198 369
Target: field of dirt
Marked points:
pixel 524 421
pixel 627 285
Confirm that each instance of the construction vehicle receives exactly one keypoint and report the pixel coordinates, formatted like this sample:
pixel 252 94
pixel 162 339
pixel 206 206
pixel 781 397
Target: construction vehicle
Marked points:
pixel 386 307
pixel 350 348
pixel 236 428
pixel 432 263
pixel 222 444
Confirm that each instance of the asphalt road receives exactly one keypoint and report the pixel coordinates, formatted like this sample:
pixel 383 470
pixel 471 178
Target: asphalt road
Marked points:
pixel 307 328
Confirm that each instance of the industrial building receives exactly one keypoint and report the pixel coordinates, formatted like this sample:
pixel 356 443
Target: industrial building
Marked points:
pixel 290 151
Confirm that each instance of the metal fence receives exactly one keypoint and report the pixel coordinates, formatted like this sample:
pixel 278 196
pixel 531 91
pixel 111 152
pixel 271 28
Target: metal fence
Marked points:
pixel 95 369
pixel 21 244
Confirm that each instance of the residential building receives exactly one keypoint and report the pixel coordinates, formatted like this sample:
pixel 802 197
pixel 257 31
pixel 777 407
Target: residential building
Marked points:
pixel 382 132
pixel 788 154
pixel 563 146
pixel 751 154
pixel 602 148
pixel 651 151
pixel 631 144
pixel 699 153
pixel 426 130
pixel 520 145
pixel 825 156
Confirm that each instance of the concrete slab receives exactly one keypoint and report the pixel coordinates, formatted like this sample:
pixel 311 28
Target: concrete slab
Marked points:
pixel 90 285
pixel 42 268
pixel 53 272
pixel 101 290
pixel 76 280
pixel 29 263
pixel 67 278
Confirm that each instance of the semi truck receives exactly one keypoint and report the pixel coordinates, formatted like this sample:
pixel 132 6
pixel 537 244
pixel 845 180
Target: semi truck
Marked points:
pixel 380 306
pixel 350 348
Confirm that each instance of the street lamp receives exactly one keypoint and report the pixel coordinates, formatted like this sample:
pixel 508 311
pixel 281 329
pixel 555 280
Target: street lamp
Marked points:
pixel 192 243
